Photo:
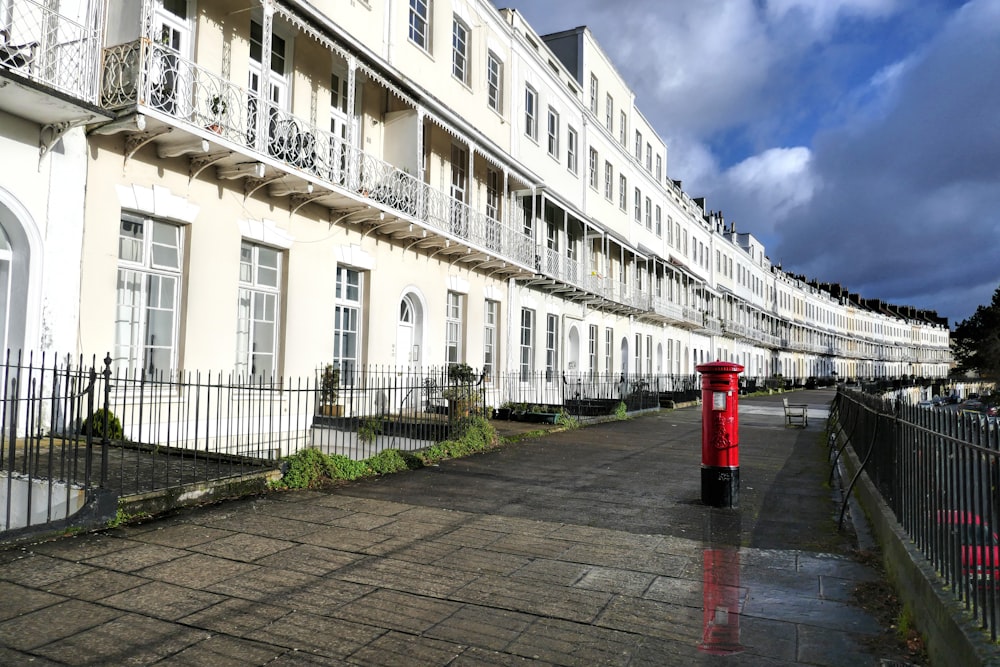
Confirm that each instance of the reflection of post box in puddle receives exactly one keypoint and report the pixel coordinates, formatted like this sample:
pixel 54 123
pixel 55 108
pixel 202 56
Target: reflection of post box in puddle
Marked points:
pixel 720 449
pixel 721 599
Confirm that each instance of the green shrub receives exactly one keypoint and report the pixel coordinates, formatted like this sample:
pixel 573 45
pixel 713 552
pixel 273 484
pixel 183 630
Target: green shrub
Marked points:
pixel 567 421
pixel 305 469
pixel 102 422
pixel 476 434
pixel 388 461
pixel 341 467
pixel 310 467
pixel 621 410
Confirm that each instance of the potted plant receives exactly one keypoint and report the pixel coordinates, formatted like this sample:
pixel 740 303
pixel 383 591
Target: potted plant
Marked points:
pixel 329 391
pixel 462 395
pixel 505 410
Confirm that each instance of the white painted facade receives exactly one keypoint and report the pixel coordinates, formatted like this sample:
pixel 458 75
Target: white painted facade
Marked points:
pixel 375 197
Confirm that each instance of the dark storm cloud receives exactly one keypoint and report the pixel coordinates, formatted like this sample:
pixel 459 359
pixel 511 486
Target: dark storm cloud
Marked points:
pixel 908 207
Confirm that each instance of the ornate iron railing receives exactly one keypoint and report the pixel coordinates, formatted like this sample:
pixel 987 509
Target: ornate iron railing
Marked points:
pixel 39 42
pixel 938 471
pixel 146 74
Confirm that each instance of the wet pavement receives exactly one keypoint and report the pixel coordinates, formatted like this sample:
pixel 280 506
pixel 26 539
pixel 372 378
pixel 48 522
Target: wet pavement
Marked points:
pixel 581 547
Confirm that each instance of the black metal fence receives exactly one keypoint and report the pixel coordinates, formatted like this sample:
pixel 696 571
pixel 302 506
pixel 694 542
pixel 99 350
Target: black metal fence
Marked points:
pixel 938 470
pixel 73 433
pixel 49 468
pixel 581 395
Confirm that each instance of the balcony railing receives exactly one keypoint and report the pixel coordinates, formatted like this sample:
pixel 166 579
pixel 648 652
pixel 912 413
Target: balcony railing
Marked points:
pixel 41 44
pixel 666 308
pixel 145 74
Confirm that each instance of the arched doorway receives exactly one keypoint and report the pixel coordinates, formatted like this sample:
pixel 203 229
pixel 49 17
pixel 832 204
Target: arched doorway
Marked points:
pixel 409 332
pixel 573 352
pixel 20 308
pixel 625 355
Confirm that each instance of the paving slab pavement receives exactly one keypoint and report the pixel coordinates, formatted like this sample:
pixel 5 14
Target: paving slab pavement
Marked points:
pixel 581 547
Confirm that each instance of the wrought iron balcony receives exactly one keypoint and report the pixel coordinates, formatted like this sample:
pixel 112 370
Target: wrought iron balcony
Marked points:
pixel 40 44
pixel 157 81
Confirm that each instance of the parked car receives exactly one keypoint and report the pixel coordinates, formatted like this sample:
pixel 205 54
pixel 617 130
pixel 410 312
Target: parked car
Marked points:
pixel 980 545
pixel 977 406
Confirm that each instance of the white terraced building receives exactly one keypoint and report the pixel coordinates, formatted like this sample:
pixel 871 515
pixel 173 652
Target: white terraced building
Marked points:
pixel 267 186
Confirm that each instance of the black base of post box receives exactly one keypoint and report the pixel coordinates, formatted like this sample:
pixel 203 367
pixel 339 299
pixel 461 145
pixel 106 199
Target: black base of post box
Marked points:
pixel 720 487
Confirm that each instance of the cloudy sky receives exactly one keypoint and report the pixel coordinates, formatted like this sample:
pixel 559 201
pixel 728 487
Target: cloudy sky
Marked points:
pixel 858 139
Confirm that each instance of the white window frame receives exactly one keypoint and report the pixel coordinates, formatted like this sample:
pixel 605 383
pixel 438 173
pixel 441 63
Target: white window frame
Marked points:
pixel 491 330
pixel 572 150
pixel 553 133
pixel 609 181
pixel 551 347
pixel 420 24
pixel 527 344
pixel 638 206
pixel 623 128
pixel 258 307
pixel 460 50
pixel 531 112
pixel 454 328
pixel 153 281
pixel 622 192
pixel 609 113
pixel 494 82
pixel 349 317
pixel 594 92
pixel 609 349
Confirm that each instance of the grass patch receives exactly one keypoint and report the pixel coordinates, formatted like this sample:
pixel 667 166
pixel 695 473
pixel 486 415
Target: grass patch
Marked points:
pixel 123 518
pixel 309 468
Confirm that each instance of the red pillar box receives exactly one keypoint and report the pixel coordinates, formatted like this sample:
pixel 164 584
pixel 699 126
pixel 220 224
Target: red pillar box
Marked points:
pixel 720 438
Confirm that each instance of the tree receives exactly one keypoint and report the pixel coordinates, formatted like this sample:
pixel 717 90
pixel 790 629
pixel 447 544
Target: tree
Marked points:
pixel 977 341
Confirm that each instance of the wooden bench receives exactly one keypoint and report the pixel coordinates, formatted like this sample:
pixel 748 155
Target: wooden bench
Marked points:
pixel 796 414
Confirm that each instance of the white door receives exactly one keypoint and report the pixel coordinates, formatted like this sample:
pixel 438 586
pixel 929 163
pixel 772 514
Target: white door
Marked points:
pixel 406 354
pixel 275 101
pixel 170 79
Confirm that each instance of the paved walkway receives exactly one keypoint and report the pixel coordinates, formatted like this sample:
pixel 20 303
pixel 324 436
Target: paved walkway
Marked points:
pixel 582 547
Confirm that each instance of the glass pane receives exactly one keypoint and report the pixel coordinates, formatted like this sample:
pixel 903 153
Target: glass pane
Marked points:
pixel 176 7
pixel 267 267
pixel 167 291
pixel 157 362
pixel 165 245
pixel 256 41
pixel 130 241
pixel 277 54
pixel 350 344
pixel 159 330
pixel 263 338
